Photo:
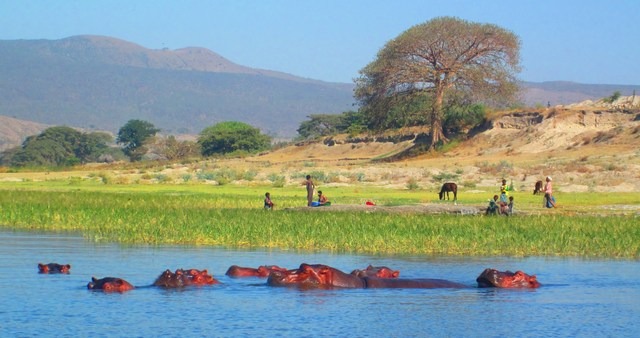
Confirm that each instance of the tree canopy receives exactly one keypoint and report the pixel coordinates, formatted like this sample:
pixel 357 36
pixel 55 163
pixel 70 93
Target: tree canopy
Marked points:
pixel 444 56
pixel 59 146
pixel 232 136
pixel 133 136
pixel 327 124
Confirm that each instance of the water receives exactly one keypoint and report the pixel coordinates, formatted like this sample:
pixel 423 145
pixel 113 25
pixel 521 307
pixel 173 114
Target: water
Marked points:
pixel 579 298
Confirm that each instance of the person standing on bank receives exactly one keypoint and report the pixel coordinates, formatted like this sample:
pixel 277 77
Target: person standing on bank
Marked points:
pixel 268 203
pixel 504 192
pixel 549 201
pixel 310 188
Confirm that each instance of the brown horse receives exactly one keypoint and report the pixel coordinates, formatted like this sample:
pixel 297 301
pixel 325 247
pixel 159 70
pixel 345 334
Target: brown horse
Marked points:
pixel 449 187
pixel 538 188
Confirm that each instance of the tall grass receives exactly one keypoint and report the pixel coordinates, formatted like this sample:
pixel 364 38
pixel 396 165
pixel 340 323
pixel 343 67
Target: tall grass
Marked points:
pixel 232 216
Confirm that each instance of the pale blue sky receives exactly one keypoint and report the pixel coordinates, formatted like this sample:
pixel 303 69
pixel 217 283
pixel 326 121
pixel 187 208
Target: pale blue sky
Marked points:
pixel 587 41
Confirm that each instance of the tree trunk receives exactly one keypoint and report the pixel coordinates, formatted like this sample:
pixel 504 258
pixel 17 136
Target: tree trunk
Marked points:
pixel 437 134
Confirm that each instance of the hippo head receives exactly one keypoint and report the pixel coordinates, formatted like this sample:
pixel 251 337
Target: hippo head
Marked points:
pixel 170 279
pixel 507 279
pixel 109 284
pixel 314 276
pixel 53 268
pixel 181 278
pixel 376 271
pixel 265 270
pixel 200 277
pixel 307 275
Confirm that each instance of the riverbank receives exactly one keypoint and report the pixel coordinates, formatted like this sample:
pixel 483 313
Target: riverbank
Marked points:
pixel 232 217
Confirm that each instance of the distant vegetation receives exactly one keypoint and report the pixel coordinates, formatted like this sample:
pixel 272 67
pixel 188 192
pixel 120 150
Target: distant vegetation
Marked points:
pixel 230 137
pixel 610 99
pixel 330 124
pixel 59 146
pixel 133 136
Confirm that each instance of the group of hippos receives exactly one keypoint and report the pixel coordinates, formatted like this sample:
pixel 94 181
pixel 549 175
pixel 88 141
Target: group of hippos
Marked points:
pixel 307 276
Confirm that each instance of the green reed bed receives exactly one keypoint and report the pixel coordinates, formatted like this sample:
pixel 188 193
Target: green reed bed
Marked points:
pixel 235 218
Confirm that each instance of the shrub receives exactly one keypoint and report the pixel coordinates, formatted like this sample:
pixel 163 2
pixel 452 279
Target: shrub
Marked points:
pixel 412 184
pixel 445 176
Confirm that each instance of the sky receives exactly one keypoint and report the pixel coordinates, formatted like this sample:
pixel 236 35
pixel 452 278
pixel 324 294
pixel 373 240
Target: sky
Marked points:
pixel 585 41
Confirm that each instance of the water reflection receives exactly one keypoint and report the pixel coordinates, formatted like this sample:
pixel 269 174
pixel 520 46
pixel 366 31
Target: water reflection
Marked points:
pixel 578 297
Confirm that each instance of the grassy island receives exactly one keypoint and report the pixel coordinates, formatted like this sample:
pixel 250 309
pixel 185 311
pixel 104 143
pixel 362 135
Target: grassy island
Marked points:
pixel 595 225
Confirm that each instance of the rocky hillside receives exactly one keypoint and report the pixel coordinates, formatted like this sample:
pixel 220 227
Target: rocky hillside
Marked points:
pixel 591 146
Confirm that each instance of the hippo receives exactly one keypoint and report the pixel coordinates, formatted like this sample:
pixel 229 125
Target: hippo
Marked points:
pixel 323 276
pixel 110 284
pixel 376 271
pixel 262 271
pixel 53 268
pixel 506 279
pixel 181 278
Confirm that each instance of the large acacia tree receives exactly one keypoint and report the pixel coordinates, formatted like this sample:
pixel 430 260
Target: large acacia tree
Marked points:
pixel 444 55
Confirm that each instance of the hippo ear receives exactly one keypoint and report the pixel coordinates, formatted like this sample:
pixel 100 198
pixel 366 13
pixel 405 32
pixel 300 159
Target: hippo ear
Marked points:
pixel 395 274
pixel 519 275
pixel 94 279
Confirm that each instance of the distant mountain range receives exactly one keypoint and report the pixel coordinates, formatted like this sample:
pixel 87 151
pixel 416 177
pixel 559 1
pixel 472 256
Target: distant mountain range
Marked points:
pixel 101 82
pixel 96 82
pixel 564 92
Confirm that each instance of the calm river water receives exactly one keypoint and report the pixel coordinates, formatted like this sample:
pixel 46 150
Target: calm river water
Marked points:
pixel 579 298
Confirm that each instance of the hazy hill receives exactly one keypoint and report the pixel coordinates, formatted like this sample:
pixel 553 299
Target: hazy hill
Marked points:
pixel 101 82
pixel 564 92
pixel 14 131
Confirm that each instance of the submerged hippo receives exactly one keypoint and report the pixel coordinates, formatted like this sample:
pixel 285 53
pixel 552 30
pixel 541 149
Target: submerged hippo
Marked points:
pixel 262 271
pixel 109 284
pixel 181 278
pixel 323 276
pixel 506 279
pixel 53 268
pixel 178 279
pixel 376 271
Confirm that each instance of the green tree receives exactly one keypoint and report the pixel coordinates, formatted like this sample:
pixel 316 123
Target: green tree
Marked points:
pixel 59 146
pixel 442 56
pixel 228 137
pixel 611 99
pixel 328 124
pixel 133 136
pixel 93 145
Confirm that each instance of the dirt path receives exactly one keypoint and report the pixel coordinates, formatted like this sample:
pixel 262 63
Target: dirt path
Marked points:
pixel 428 208
pixel 450 208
